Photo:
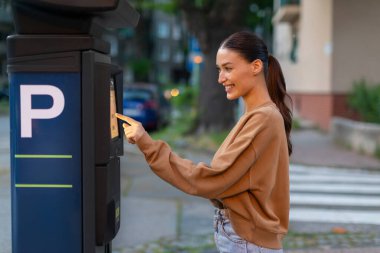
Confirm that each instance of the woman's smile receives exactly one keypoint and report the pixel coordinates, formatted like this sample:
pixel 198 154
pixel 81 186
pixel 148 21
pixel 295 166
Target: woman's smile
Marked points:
pixel 229 88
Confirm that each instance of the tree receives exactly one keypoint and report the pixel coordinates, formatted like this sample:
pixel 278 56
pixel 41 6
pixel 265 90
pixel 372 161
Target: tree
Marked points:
pixel 211 21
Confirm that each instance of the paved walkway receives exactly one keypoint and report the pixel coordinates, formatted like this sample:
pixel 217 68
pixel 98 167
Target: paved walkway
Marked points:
pixel 312 147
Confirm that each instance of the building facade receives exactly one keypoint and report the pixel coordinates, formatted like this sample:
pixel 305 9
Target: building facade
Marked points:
pixel 325 46
pixel 169 39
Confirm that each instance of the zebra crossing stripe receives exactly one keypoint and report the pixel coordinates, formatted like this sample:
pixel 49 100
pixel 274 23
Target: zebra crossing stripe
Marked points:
pixel 334 216
pixel 348 188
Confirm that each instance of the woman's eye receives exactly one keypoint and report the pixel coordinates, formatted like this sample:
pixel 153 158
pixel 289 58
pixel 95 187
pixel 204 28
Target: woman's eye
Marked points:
pixel 228 69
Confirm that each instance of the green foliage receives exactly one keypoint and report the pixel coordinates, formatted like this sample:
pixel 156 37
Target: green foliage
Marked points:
pixel 168 7
pixel 178 128
pixel 187 98
pixel 377 151
pixel 296 124
pixel 365 99
pixel 4 107
pixel 202 3
pixel 141 68
pixel 219 137
pixel 258 11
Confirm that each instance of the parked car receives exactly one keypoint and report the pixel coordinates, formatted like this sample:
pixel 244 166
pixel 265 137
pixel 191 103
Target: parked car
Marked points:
pixel 146 104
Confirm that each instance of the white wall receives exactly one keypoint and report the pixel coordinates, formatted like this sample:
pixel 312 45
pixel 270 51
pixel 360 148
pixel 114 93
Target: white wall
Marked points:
pixel 356 35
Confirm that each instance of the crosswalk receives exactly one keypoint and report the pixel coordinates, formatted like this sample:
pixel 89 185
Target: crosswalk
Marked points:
pixel 334 195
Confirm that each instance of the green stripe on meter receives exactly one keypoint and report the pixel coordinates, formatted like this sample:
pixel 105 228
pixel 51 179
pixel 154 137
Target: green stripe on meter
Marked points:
pixel 44 186
pixel 43 156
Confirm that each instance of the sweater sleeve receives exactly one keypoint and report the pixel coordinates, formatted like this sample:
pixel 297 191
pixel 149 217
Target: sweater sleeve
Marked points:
pixel 223 178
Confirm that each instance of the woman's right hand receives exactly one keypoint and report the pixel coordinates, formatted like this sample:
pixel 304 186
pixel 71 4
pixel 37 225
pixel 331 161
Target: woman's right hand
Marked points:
pixel 133 129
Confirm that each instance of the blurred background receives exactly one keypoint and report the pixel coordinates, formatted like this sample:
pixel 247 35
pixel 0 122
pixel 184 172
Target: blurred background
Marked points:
pixel 330 57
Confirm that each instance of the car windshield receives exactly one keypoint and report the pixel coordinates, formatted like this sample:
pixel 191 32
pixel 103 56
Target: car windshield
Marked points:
pixel 137 94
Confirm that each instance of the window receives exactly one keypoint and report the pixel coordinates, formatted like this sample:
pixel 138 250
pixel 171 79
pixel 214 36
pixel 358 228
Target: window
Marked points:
pixel 176 32
pixel 163 52
pixel 162 30
pixel 178 57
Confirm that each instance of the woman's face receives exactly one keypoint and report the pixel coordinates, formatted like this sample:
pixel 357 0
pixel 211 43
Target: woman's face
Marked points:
pixel 236 74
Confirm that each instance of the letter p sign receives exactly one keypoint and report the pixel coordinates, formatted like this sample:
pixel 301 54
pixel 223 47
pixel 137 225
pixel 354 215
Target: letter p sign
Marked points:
pixel 28 114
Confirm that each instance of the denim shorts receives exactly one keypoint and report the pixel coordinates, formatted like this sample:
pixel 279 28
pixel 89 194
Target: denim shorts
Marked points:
pixel 227 241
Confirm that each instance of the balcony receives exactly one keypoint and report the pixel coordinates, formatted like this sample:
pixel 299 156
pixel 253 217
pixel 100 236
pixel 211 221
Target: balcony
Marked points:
pixel 287 11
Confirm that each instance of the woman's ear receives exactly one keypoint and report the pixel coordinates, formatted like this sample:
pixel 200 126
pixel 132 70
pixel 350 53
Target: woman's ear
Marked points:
pixel 257 67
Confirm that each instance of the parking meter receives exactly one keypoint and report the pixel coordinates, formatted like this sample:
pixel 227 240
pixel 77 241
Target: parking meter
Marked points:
pixel 65 140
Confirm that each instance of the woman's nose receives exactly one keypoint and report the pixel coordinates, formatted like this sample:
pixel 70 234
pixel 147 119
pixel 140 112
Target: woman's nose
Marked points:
pixel 221 77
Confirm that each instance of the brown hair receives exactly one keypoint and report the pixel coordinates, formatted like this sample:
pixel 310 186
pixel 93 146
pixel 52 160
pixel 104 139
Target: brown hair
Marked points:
pixel 251 47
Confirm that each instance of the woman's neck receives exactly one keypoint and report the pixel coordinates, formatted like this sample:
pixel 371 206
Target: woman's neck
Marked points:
pixel 258 96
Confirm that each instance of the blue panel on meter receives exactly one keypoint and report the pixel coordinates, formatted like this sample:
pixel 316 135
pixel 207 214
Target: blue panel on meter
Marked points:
pixel 46 162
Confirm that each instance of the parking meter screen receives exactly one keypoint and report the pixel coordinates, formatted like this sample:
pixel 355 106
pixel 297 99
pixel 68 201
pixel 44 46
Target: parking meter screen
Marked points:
pixel 113 120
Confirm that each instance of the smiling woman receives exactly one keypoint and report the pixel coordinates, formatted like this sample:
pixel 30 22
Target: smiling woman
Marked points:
pixel 248 178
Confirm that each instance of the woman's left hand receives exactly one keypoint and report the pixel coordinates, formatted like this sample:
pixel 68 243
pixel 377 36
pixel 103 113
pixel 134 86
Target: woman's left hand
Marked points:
pixel 133 129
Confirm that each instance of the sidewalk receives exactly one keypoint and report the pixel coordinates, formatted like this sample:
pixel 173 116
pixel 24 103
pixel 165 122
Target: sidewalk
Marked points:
pixel 311 147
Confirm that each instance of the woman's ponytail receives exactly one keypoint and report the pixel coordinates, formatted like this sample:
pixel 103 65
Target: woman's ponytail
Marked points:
pixel 277 91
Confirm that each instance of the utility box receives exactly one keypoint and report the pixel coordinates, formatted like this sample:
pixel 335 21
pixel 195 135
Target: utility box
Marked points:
pixel 65 139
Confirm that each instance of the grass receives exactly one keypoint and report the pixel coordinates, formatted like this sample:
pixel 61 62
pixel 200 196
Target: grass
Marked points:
pixel 207 141
pixel 178 134
pixel 179 127
pixel 377 152
pixel 4 107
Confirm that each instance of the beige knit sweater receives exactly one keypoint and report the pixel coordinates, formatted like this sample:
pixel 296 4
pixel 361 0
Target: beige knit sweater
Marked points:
pixel 249 174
